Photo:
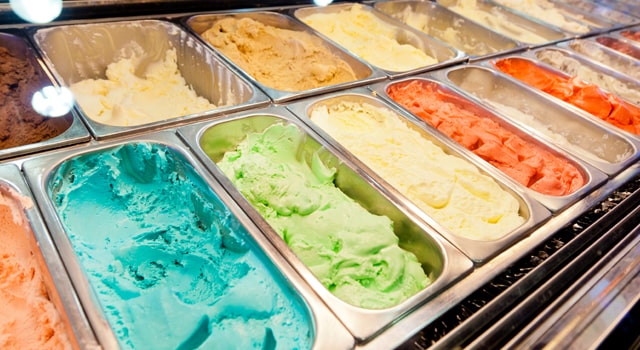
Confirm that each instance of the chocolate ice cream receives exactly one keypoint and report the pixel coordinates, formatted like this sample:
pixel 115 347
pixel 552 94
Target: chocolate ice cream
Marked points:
pixel 20 124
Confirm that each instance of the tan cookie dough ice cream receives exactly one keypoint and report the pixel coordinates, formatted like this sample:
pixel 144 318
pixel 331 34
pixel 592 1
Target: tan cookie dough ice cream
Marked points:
pixel 279 58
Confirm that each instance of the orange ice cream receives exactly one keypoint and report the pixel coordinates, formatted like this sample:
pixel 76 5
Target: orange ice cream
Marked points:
pixel 28 318
pixel 631 35
pixel 586 96
pixel 530 165
pixel 619 46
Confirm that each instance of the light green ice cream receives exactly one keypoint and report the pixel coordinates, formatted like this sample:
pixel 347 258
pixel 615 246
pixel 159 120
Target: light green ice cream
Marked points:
pixel 354 253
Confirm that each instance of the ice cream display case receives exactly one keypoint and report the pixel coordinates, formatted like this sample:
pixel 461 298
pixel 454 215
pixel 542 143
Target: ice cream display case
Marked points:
pixel 296 175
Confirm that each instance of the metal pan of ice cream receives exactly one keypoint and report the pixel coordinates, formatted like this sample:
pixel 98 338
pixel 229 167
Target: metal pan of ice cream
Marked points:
pixel 624 44
pixel 632 34
pixel 605 55
pixel 617 18
pixel 473 210
pixel 603 147
pixel 367 259
pixel 544 172
pixel 378 39
pixel 133 76
pixel 629 7
pixel 557 15
pixel 437 21
pixel 283 57
pixel 505 22
pixel 591 100
pixel 590 70
pixel 23 128
pixel 161 256
pixel 39 306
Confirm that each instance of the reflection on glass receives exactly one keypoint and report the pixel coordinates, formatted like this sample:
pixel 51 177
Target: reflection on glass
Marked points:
pixel 322 2
pixel 52 101
pixel 37 11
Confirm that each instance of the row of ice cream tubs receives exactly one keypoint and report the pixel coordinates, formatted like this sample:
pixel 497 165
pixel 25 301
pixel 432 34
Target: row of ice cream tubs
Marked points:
pixel 230 206
pixel 208 60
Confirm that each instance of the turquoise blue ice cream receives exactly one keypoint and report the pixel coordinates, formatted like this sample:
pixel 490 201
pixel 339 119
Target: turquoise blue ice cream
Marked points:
pixel 171 266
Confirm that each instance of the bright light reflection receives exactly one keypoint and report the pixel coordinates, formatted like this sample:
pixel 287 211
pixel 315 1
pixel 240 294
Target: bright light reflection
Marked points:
pixel 52 101
pixel 37 11
pixel 322 2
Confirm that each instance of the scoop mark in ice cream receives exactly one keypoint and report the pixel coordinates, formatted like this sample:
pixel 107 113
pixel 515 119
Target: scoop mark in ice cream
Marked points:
pixel 126 99
pixel 353 253
pixel 169 263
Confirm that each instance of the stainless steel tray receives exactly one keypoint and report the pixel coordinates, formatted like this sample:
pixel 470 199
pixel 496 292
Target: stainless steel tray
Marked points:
pixel 617 18
pixel 577 22
pixel 405 35
pixel 591 175
pixel 629 7
pixel 328 332
pixel 631 48
pixel 75 52
pixel 437 21
pixel 443 263
pixel 505 16
pixel 604 55
pixel 476 249
pixel 630 31
pixel 58 285
pixel 626 83
pixel 600 145
pixel 365 73
pixel 553 71
pixel 75 130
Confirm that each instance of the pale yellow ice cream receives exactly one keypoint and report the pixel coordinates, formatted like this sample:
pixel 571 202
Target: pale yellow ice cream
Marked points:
pixel 497 21
pixel 547 12
pixel 367 36
pixel 279 58
pixel 126 99
pixel 449 189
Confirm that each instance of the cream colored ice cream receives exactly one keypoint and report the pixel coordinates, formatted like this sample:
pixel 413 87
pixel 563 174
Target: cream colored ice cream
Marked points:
pixel 370 38
pixel 28 318
pixel 455 35
pixel 596 52
pixel 497 21
pixel 126 99
pixel 282 59
pixel 449 189
pixel 571 66
pixel 546 11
